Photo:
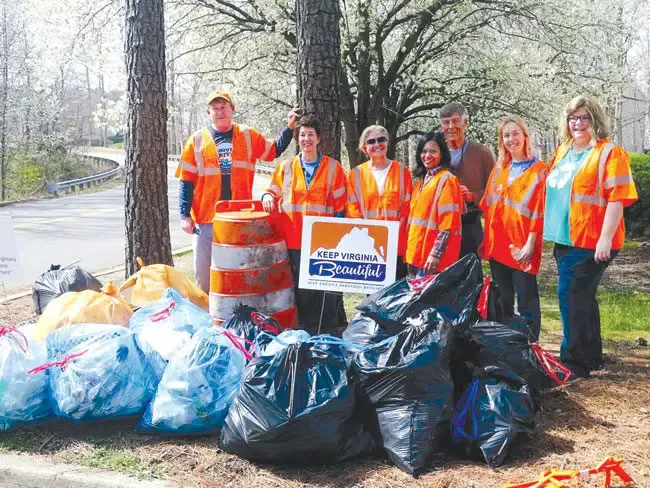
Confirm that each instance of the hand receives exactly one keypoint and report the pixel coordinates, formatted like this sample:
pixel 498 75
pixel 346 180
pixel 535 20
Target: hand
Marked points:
pixel 268 202
pixel 468 196
pixel 525 254
pixel 431 266
pixel 292 118
pixel 603 249
pixel 187 224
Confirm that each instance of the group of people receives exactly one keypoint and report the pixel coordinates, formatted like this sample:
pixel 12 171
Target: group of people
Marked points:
pixel 575 201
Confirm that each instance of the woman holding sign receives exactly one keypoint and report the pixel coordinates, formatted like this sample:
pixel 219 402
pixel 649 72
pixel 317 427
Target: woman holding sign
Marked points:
pixel 434 224
pixel 310 184
pixel 380 189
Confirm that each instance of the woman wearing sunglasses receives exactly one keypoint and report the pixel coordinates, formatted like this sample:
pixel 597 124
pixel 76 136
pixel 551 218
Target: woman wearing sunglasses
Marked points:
pixel 588 185
pixel 513 206
pixel 434 224
pixel 380 188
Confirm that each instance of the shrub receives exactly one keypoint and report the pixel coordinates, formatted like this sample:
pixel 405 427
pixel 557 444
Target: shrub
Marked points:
pixel 637 217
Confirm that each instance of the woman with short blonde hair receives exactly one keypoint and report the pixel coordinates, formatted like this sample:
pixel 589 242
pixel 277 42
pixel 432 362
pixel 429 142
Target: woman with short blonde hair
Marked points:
pixel 588 185
pixel 380 188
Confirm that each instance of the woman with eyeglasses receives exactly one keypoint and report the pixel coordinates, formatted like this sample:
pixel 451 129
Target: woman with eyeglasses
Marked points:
pixel 588 185
pixel 380 188
pixel 434 224
pixel 513 206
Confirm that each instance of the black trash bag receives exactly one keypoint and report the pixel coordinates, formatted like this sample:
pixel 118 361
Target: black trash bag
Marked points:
pixel 297 407
pixel 405 380
pixel 493 344
pixel 521 324
pixel 364 330
pixel 491 413
pixel 454 293
pixel 247 323
pixel 56 281
pixel 495 310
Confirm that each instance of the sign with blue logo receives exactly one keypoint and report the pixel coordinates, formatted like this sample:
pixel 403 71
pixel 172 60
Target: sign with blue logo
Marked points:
pixel 350 255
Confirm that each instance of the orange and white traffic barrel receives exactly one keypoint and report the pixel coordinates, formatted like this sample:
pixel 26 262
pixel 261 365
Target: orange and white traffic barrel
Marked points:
pixel 250 263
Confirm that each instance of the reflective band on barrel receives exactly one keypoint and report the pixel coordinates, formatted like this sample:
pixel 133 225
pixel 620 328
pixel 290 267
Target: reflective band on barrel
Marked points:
pixel 223 306
pixel 226 256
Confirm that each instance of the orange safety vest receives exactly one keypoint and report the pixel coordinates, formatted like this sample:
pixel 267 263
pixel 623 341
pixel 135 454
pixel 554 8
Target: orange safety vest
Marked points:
pixel 434 207
pixel 199 163
pixel 512 211
pixel 604 177
pixel 325 195
pixel 365 202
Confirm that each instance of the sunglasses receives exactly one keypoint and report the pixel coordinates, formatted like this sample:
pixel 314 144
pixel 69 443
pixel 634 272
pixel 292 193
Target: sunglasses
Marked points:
pixel 378 140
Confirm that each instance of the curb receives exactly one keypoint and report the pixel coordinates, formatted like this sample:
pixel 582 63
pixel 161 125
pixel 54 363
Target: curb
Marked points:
pixel 28 472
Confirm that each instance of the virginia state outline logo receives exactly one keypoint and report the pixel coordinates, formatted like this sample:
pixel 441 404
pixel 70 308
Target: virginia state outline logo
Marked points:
pixel 347 251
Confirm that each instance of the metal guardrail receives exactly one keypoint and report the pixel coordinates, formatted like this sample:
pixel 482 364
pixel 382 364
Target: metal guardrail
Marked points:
pixel 259 168
pixel 87 181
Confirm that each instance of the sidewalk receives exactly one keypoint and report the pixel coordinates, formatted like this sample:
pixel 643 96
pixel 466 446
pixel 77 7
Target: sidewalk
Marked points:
pixel 30 472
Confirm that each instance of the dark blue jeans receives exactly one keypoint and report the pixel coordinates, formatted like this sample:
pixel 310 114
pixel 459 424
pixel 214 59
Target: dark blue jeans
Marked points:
pixel 578 279
pixel 511 281
pixel 472 235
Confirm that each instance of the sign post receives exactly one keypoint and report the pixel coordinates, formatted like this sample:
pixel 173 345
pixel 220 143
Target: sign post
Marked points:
pixel 348 255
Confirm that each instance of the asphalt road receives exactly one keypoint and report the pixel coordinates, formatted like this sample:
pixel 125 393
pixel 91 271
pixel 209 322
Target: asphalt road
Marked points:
pixel 88 228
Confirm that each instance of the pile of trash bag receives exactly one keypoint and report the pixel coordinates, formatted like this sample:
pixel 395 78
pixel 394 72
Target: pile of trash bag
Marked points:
pixel 406 382
pixel 163 327
pixel 84 307
pixel 23 396
pixel 96 371
pixel 57 281
pixel 297 407
pixel 197 387
pixel 494 410
pixel 151 282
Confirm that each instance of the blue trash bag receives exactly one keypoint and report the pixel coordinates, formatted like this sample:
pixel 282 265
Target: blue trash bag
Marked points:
pixel 23 396
pixel 491 414
pixel 162 328
pixel 96 371
pixel 197 387
pixel 289 336
pixel 298 406
pixel 407 390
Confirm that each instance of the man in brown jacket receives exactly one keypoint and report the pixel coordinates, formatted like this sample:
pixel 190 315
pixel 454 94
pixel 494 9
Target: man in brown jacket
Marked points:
pixel 472 163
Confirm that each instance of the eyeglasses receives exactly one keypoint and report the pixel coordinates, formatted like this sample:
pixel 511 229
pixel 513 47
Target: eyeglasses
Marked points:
pixel 585 119
pixel 378 140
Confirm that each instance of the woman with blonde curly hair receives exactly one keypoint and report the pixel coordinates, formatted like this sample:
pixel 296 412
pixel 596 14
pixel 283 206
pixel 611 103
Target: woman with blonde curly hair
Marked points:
pixel 513 206
pixel 380 188
pixel 588 185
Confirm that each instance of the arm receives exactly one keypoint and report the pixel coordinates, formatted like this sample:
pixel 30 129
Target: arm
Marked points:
pixel 339 193
pixel 613 215
pixel 353 208
pixel 268 150
pixel 408 192
pixel 273 193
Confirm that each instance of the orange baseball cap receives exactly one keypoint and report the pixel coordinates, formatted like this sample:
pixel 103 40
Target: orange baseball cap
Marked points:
pixel 224 95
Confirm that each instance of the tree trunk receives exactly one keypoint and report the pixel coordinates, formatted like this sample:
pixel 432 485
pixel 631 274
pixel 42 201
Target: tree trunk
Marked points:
pixel 146 212
pixel 319 57
pixel 89 113
pixel 3 109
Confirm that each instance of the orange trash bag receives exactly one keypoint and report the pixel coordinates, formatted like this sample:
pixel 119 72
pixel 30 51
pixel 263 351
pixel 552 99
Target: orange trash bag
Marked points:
pixel 150 283
pixel 88 306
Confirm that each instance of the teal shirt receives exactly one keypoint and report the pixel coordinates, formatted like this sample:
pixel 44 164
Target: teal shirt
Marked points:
pixel 558 197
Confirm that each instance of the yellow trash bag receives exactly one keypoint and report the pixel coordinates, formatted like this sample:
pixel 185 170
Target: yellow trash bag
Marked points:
pixel 88 306
pixel 151 281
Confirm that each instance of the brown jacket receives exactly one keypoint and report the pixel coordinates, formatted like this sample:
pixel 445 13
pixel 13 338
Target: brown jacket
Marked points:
pixel 474 170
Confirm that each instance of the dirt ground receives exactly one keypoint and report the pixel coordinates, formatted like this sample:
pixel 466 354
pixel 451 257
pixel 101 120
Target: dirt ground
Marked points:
pixel 580 424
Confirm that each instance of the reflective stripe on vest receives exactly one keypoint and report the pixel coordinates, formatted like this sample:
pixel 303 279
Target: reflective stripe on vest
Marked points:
pixel 249 145
pixel 520 207
pixel 198 155
pixel 430 223
pixel 357 190
pixel 267 150
pixel 188 167
pixel 338 193
pixel 244 165
pixel 401 184
pixel 316 208
pixel 597 199
pixel 617 180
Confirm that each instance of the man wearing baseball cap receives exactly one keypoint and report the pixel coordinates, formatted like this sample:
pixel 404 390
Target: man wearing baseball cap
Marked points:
pixel 218 163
